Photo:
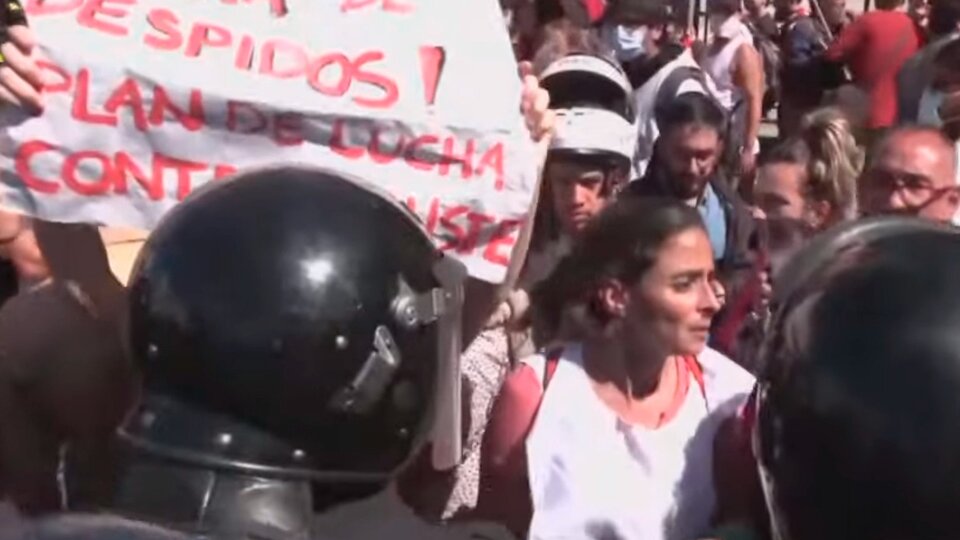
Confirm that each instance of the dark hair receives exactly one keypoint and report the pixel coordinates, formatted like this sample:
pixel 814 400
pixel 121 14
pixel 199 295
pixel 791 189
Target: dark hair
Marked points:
pixel 878 314
pixel 944 17
pixel 691 108
pixel 792 151
pixel 562 38
pixel 548 11
pixel 948 55
pixel 728 7
pixel 888 5
pixel 638 11
pixel 621 243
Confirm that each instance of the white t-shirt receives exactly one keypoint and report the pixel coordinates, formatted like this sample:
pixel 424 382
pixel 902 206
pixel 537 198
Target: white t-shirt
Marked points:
pixel 720 68
pixel 592 476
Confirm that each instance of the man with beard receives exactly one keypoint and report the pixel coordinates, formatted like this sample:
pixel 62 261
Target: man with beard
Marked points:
pixel 685 166
pixel 913 171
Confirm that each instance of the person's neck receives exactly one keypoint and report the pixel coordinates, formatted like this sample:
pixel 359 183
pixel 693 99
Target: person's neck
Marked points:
pixel 633 368
pixel 639 386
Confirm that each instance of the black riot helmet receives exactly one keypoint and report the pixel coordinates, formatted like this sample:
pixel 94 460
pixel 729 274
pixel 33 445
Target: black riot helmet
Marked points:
pixel 858 418
pixel 293 323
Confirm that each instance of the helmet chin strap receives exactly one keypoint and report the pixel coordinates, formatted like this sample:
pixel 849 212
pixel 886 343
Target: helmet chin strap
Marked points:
pixel 371 382
pixel 411 310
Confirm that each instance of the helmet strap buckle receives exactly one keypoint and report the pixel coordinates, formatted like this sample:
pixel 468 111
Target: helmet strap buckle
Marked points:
pixel 366 389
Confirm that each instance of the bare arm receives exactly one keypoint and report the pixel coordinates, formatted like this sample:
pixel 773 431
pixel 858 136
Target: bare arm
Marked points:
pixel 748 76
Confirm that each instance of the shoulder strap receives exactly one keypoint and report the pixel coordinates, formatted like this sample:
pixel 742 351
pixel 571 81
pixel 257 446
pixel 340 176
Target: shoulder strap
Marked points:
pixel 697 371
pixel 552 361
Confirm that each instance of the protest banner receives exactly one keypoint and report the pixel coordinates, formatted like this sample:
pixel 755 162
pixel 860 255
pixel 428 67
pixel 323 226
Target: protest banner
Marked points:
pixel 147 100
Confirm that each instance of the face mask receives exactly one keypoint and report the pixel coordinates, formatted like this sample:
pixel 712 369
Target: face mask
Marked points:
pixel 626 42
pixel 929 111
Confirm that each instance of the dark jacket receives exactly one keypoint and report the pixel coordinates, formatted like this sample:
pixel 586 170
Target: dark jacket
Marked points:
pixel 741 227
pixel 805 74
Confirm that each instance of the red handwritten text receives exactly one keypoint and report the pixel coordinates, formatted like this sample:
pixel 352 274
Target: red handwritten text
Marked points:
pixel 389 6
pixel 151 106
pixel 384 147
pixel 114 172
pixel 358 77
pixel 466 230
pixel 92 173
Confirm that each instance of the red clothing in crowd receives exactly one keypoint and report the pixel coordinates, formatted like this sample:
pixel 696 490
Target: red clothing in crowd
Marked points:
pixel 876 46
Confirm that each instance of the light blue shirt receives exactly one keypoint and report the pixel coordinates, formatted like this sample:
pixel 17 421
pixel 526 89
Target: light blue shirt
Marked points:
pixel 715 220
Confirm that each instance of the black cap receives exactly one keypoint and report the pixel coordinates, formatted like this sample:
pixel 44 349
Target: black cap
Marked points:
pixel 639 11
pixel 724 6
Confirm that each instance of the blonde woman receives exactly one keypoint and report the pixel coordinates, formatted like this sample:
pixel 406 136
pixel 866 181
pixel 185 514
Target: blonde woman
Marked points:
pixel 813 175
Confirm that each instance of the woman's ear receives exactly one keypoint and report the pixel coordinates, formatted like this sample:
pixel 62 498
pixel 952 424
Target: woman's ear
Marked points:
pixel 612 299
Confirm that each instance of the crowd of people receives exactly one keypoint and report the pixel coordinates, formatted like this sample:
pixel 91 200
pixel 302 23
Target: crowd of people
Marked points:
pixel 706 332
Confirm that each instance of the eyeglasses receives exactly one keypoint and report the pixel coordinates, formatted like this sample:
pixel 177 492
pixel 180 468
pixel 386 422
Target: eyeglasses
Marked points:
pixel 900 181
pixel 915 189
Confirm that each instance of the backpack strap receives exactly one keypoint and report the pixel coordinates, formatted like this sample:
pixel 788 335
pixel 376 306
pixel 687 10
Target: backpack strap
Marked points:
pixel 550 366
pixel 697 371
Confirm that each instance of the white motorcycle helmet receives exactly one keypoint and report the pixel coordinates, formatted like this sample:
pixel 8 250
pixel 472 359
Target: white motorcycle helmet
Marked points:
pixel 586 80
pixel 594 134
